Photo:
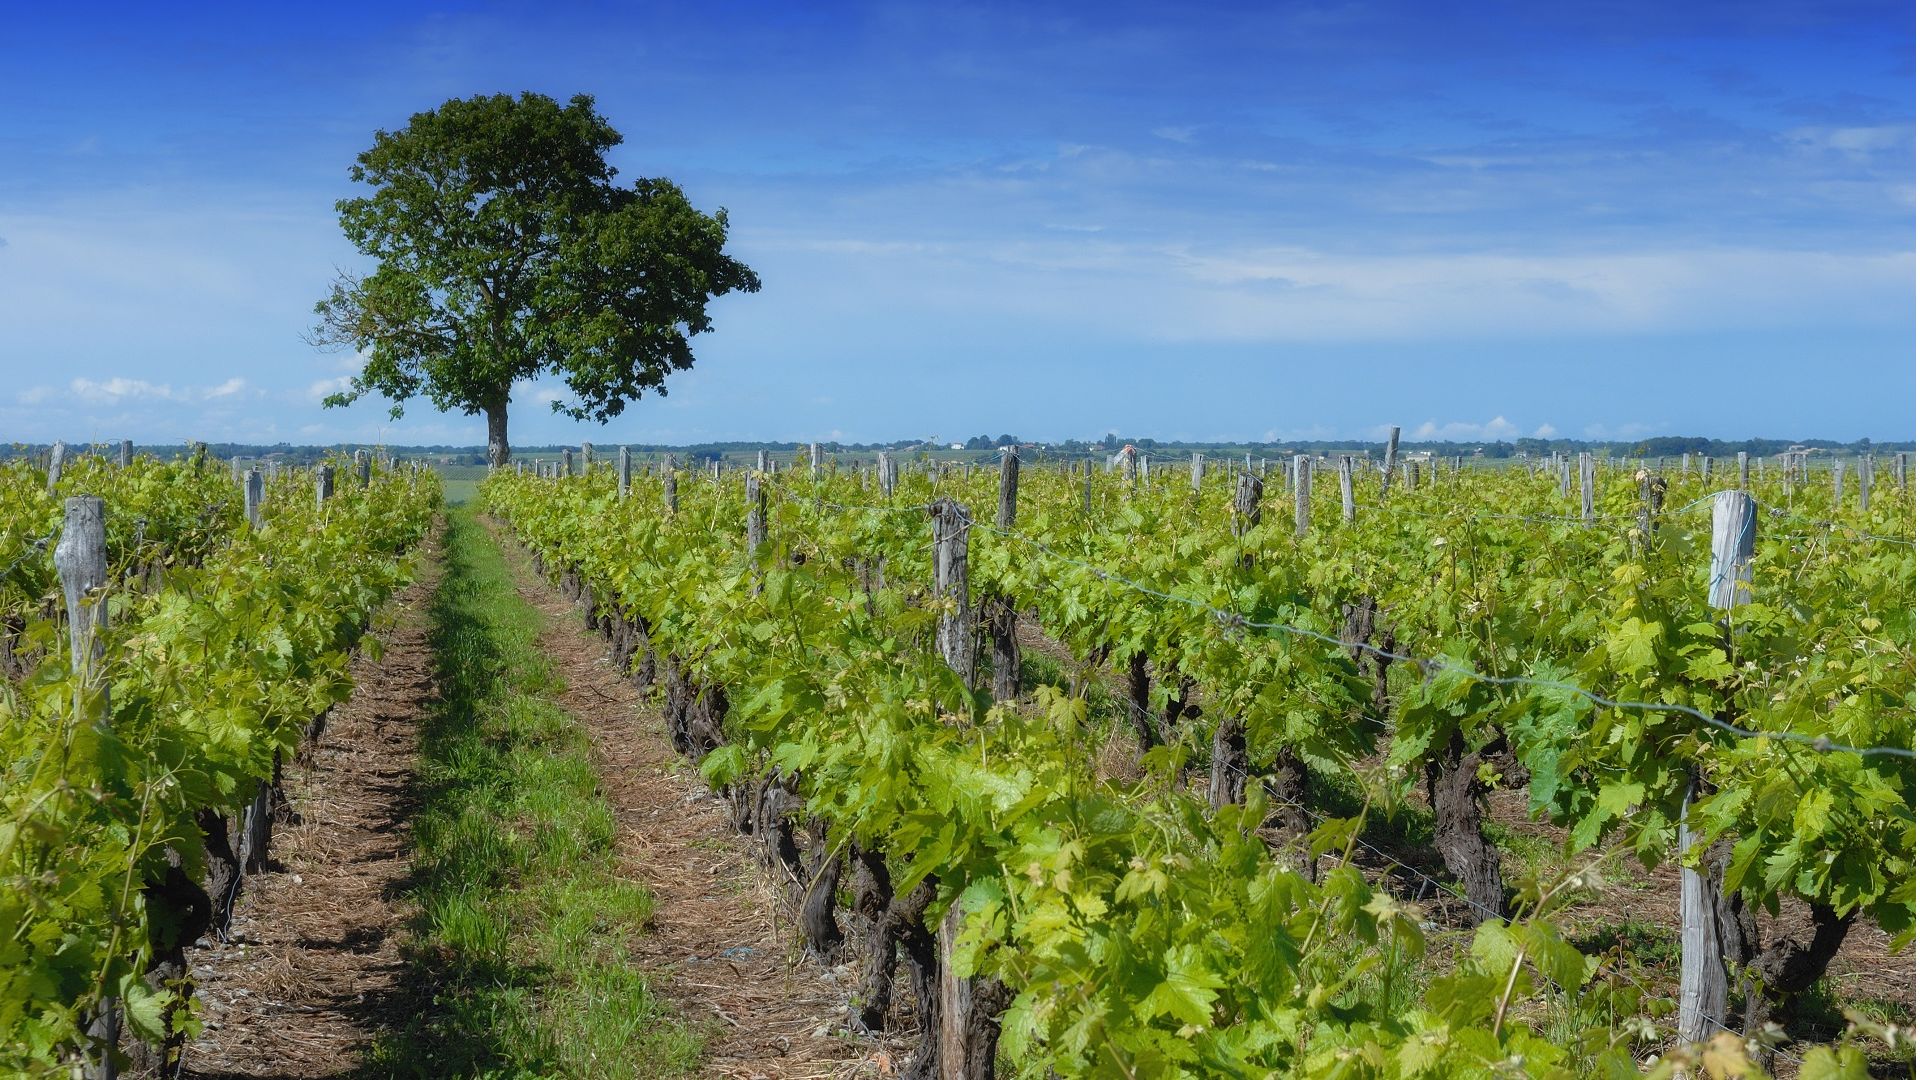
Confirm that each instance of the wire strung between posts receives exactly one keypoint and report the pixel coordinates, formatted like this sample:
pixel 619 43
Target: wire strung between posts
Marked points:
pixel 1234 620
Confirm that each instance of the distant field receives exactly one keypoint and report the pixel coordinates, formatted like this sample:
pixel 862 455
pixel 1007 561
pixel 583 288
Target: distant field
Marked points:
pixel 462 481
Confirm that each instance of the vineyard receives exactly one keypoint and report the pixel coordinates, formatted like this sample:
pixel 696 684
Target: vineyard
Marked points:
pixel 174 636
pixel 1557 768
pixel 1174 771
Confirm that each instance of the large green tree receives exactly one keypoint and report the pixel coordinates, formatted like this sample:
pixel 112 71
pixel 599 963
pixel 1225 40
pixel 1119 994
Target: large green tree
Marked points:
pixel 505 250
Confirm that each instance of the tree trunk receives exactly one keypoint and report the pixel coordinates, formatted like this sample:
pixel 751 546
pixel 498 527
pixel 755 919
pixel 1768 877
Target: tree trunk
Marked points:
pixel 497 453
pixel 823 881
pixel 1455 791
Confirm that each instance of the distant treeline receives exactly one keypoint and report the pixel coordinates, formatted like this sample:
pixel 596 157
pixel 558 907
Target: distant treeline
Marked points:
pixel 985 446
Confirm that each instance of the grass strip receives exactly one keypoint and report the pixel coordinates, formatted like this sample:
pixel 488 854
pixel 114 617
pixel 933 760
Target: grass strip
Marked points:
pixel 520 952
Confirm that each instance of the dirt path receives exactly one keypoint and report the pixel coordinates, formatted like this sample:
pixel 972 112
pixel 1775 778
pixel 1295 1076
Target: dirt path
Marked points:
pixel 719 943
pixel 313 967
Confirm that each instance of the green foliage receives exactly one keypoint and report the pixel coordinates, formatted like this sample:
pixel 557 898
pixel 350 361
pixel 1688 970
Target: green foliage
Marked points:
pixel 205 679
pixel 1145 935
pixel 506 251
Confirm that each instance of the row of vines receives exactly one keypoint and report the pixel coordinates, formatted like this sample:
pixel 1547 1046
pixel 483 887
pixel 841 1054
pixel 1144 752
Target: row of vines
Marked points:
pixel 841 650
pixel 148 707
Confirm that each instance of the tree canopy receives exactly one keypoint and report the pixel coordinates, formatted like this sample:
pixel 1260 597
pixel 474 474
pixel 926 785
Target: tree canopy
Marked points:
pixel 505 250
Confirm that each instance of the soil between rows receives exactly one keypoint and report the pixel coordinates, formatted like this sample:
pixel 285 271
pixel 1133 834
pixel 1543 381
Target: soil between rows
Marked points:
pixel 312 968
pixel 721 945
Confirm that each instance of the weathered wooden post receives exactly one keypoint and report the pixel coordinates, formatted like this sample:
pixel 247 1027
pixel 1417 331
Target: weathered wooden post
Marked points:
pixel 1839 482
pixel 126 452
pixel 1706 468
pixel 322 485
pixel 254 491
pixel 586 458
pixel 886 474
pixel 1586 488
pixel 1866 480
pixel 566 461
pixel 626 471
pixel 669 485
pixel 1087 496
pixel 813 458
pixel 756 515
pixel 1346 487
pixel 1653 493
pixel 967 1030
pixel 56 462
pixel 1199 471
pixel 1703 973
pixel 1745 466
pixel 1900 470
pixel 762 460
pixel 1002 620
pixel 80 559
pixel 954 635
pixel 1566 474
pixel 1302 493
pixel 1393 449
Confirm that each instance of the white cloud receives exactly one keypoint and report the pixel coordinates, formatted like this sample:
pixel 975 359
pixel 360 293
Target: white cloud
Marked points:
pixel 1493 430
pixel 119 389
pixel 1179 134
pixel 1545 431
pixel 318 390
pixel 227 389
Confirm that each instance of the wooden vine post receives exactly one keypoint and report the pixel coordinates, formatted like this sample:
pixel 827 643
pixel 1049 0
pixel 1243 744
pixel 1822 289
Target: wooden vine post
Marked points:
pixel 126 452
pixel 1346 487
pixel 813 458
pixel 1302 493
pixel 363 467
pixel 1586 488
pixel 954 634
pixel 322 485
pixel 1703 973
pixel 1745 466
pixel 80 559
pixel 566 462
pixel 1002 621
pixel 1386 470
pixel 626 471
pixel 56 461
pixel 1866 480
pixel 586 459
pixel 255 492
pixel 1227 778
pixel 669 485
pixel 1199 471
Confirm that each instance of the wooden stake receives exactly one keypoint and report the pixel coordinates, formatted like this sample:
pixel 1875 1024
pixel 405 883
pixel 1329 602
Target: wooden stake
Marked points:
pixel 1703 973
pixel 954 634
pixel 1586 488
pixel 625 469
pixel 1199 471
pixel 1302 493
pixel 1346 487
pixel 255 488
pixel 323 486
pixel 126 452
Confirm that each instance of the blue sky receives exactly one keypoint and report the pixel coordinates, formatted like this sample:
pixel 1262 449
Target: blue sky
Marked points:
pixel 1212 222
